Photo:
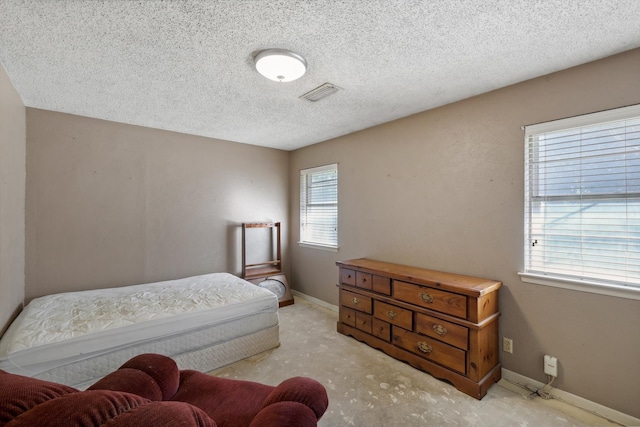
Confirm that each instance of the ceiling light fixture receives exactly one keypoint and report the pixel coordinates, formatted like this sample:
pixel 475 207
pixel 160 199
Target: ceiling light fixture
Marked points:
pixel 280 65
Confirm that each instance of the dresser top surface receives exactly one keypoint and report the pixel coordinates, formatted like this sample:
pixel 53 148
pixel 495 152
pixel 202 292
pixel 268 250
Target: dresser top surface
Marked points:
pixel 456 282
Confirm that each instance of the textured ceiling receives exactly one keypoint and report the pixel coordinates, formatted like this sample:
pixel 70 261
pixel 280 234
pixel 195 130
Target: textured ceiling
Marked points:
pixel 186 65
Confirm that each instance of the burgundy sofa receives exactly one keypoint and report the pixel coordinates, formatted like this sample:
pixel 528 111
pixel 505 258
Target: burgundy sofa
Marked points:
pixel 149 390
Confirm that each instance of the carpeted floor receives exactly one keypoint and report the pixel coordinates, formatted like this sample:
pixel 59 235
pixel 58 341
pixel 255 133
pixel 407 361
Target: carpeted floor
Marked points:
pixel 368 388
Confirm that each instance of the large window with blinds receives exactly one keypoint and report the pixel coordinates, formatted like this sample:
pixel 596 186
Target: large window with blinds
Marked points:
pixel 319 206
pixel 582 199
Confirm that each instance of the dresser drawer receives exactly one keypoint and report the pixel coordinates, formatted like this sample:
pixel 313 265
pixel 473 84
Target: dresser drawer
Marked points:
pixel 363 322
pixel 434 350
pixel 448 332
pixel 364 280
pixel 347 276
pixel 355 301
pixel 348 316
pixel 394 315
pixel 381 284
pixel 433 299
pixel 381 329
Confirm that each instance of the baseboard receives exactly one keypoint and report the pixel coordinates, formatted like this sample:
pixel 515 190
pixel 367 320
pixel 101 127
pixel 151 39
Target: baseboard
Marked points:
pixel 572 399
pixel 315 300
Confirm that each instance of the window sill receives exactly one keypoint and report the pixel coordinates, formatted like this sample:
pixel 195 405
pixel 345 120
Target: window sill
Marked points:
pixel 318 246
pixel 582 285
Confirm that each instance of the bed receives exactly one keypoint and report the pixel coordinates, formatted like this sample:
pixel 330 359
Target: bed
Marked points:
pixel 202 322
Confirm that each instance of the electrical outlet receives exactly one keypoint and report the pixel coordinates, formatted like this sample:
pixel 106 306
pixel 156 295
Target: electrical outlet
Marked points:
pixel 550 365
pixel 507 345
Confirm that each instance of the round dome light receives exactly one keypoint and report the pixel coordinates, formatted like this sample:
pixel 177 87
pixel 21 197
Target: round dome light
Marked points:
pixel 280 65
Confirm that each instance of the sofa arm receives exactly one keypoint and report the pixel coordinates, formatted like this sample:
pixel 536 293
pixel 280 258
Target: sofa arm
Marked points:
pixel 303 390
pixel 285 414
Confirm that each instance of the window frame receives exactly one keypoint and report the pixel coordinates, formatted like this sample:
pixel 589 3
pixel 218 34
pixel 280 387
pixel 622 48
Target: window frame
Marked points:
pixel 303 239
pixel 547 278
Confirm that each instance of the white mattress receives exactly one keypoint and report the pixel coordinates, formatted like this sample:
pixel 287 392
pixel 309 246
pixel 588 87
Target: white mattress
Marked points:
pixel 76 338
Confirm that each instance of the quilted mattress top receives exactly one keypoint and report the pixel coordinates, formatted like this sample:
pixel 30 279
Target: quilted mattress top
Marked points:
pixel 61 317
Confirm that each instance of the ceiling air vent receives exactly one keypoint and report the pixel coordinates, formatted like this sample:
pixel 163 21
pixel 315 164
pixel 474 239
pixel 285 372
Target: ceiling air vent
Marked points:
pixel 320 92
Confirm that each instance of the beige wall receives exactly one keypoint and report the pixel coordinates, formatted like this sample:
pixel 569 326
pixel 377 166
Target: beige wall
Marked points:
pixel 110 204
pixel 12 194
pixel 444 190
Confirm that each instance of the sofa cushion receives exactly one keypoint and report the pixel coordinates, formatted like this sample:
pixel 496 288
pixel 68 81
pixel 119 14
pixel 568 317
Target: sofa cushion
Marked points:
pixel 163 414
pixel 130 381
pixel 19 394
pixel 107 408
pixel 90 408
pixel 231 403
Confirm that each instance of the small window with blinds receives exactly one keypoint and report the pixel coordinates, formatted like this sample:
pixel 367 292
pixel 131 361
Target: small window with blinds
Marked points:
pixel 319 206
pixel 582 199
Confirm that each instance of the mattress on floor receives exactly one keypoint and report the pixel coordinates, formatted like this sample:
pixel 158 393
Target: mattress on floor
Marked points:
pixel 203 322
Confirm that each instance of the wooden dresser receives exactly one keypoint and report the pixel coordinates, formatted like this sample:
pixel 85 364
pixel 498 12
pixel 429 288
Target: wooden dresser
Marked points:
pixel 441 323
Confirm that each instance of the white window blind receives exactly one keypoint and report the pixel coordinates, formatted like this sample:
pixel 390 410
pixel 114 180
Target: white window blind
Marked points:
pixel 582 198
pixel 319 206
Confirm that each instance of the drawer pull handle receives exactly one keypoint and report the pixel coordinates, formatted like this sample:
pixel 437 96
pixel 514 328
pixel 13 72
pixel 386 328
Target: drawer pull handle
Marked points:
pixel 440 330
pixel 392 314
pixel 356 301
pixel 424 347
pixel 428 298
